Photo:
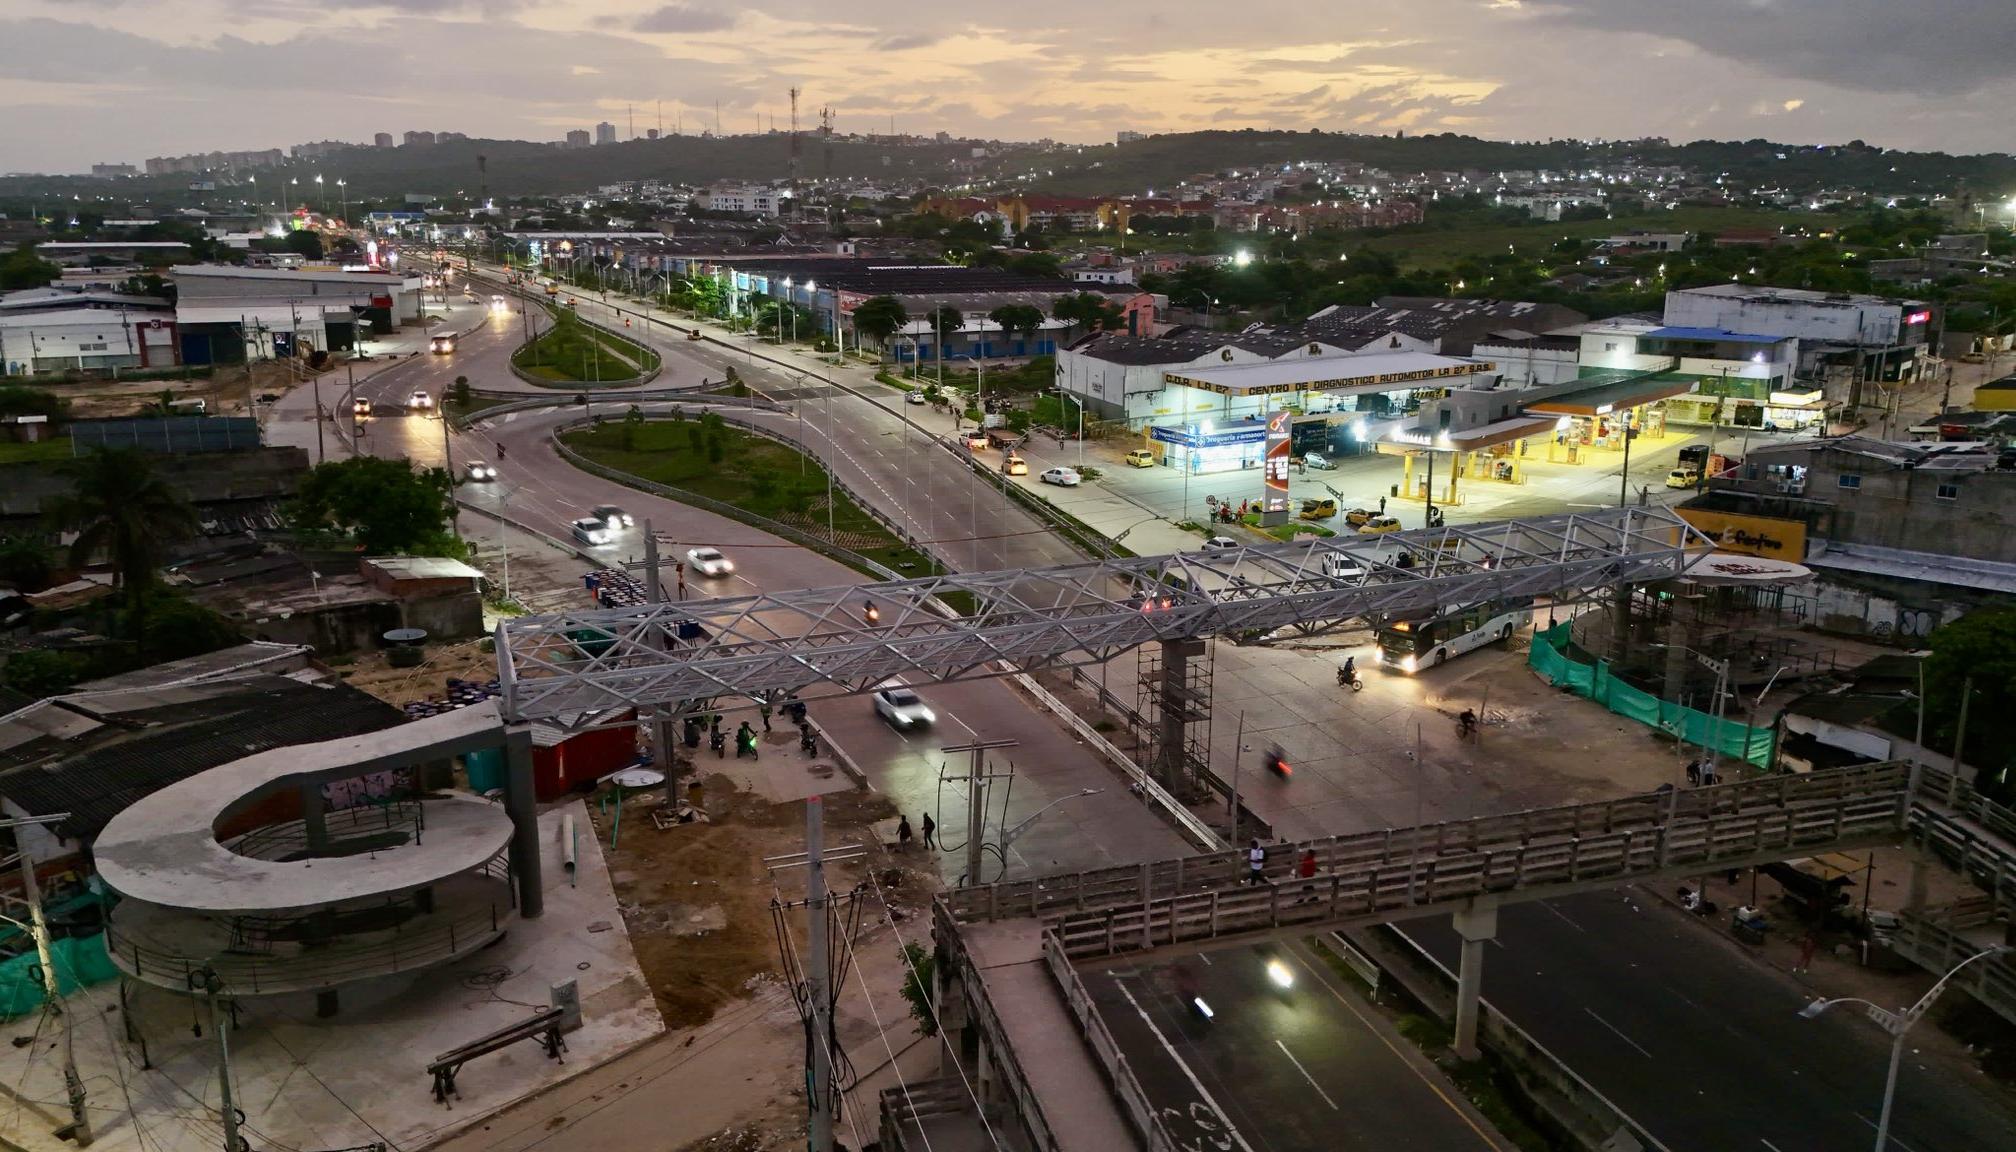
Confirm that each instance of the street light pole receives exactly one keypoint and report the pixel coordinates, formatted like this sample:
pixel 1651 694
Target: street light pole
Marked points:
pixel 1898 1025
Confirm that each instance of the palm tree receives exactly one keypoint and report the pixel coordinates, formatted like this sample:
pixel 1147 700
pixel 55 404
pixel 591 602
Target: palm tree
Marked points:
pixel 118 506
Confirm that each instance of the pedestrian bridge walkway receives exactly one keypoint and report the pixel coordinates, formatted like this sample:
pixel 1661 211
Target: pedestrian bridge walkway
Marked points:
pixel 1406 872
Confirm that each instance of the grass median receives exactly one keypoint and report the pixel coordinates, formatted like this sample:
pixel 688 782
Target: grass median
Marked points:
pixel 709 457
pixel 571 352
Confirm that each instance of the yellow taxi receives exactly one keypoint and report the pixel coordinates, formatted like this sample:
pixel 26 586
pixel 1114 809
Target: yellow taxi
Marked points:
pixel 1140 458
pixel 1378 524
pixel 1356 517
pixel 1318 509
pixel 1015 466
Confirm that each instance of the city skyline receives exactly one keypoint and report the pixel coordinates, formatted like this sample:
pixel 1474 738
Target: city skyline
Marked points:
pixel 157 82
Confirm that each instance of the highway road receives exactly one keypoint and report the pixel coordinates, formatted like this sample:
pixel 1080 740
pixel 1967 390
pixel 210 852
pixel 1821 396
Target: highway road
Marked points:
pixel 880 455
pixel 539 490
pixel 1277 1069
pixel 1703 1047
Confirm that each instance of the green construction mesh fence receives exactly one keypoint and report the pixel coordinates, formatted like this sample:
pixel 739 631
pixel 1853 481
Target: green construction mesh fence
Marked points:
pixel 1549 658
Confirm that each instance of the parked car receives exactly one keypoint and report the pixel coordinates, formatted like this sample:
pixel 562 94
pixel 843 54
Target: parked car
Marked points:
pixel 591 532
pixel 1317 461
pixel 1220 544
pixel 1063 477
pixel 1342 566
pixel 612 517
pixel 902 707
pixel 420 401
pixel 915 396
pixel 1015 466
pixel 1140 458
pixel 1682 478
pixel 1318 509
pixel 1378 524
pixel 710 562
pixel 441 345
pixel 974 440
pixel 1356 517
pixel 478 471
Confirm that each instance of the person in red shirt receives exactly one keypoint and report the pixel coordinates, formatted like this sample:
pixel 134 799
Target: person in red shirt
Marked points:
pixel 1306 869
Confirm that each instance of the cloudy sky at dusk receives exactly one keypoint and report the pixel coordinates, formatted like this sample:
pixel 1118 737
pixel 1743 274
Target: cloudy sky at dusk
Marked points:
pixel 120 80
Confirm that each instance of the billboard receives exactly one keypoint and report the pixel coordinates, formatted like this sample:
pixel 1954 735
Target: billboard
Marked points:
pixel 1766 536
pixel 1277 459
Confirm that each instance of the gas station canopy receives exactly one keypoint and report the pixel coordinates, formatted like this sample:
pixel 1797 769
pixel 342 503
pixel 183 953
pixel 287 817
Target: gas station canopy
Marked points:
pixel 1601 398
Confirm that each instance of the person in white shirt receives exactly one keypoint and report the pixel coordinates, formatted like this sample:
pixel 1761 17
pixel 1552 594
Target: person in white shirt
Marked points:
pixel 1256 863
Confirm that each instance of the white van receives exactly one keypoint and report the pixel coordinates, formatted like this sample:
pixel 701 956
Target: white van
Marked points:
pixel 1342 566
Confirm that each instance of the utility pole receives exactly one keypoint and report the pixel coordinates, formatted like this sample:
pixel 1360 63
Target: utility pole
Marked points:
pixel 822 970
pixel 1624 476
pixel 976 808
pixel 662 753
pixel 1238 757
pixel 1960 734
pixel 79 1128
pixel 206 981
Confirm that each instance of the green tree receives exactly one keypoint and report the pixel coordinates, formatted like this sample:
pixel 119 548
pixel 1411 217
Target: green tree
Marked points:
pixel 24 564
pixel 178 629
pixel 1043 264
pixel 1024 319
pixel 43 672
pixel 1977 650
pixel 633 423
pixel 918 966
pixel 16 400
pixel 879 318
pixel 118 506
pixel 1088 310
pixel 386 507
pixel 460 393
pixel 24 269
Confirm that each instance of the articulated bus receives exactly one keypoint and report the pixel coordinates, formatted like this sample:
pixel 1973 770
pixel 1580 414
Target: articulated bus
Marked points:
pixel 1411 643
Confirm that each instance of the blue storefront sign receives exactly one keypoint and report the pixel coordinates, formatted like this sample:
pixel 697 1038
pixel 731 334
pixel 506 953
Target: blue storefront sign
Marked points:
pixel 1217 438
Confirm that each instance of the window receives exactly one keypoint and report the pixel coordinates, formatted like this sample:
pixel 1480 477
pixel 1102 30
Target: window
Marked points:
pixel 1849 480
pixel 1948 492
pixel 1609 346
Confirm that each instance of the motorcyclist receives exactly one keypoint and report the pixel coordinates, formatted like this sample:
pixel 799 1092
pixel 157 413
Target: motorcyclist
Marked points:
pixel 1466 722
pixel 500 450
pixel 745 740
pixel 1348 674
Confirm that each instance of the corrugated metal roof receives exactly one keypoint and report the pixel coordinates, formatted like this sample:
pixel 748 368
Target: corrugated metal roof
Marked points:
pixel 181 739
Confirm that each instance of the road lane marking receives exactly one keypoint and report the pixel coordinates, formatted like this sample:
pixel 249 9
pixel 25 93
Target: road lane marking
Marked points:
pixel 1410 1065
pixel 1892 1136
pixel 1306 1076
pixel 1203 1093
pixel 1620 1035
pixel 1563 915
pixel 1204 958
pixel 1768 1144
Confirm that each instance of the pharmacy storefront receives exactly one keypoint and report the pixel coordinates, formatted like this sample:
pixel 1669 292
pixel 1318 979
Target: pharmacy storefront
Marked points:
pixel 1205 448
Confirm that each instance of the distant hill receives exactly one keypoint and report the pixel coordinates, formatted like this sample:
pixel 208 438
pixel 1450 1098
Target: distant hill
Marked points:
pixel 1160 162
pixel 525 168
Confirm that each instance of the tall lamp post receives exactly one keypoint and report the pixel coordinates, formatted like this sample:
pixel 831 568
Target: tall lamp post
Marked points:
pixel 1898 1025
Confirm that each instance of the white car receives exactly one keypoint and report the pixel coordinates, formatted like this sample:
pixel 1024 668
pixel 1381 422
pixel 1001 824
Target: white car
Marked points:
pixel 612 517
pixel 902 707
pixel 1065 477
pixel 710 562
pixel 1220 544
pixel 497 304
pixel 441 345
pixel 591 532
pixel 914 396
pixel 479 471
pixel 420 401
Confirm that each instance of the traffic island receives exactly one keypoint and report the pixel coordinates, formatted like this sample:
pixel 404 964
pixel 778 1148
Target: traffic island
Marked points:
pixel 576 353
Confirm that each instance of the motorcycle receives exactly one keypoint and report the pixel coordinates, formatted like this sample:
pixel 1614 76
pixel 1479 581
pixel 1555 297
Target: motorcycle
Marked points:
pixel 1277 763
pixel 1348 674
pixel 808 741
pixel 872 614
pixel 718 743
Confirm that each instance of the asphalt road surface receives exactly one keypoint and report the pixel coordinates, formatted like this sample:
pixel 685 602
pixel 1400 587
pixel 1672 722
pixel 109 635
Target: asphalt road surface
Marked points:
pixel 1277 1069
pixel 1704 1048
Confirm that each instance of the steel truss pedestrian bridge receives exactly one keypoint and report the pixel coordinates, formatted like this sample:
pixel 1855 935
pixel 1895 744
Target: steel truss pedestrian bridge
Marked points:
pixel 570 667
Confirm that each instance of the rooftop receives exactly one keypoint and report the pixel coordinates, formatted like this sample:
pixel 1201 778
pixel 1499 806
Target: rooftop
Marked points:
pixel 1762 294
pixel 94 756
pixel 1718 335
pixel 1928 567
pixel 1325 373
pixel 423 568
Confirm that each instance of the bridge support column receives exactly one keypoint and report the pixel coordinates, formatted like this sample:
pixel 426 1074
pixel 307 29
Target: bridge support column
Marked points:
pixel 523 808
pixel 1475 924
pixel 1176 708
pixel 314 820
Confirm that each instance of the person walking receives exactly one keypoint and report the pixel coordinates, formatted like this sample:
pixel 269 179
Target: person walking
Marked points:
pixel 903 832
pixel 1256 863
pixel 764 711
pixel 1306 869
pixel 930 833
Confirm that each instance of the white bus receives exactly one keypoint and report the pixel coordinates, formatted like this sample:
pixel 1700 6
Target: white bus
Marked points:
pixel 1412 643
